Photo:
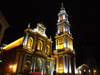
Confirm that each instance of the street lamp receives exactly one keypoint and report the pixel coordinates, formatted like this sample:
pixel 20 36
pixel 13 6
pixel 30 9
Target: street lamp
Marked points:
pixel 10 66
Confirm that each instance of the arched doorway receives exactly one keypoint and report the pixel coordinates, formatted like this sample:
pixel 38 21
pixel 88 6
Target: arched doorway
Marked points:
pixel 27 66
pixel 39 65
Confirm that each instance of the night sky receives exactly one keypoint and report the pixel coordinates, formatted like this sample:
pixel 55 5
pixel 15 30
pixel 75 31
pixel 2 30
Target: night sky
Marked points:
pixel 84 17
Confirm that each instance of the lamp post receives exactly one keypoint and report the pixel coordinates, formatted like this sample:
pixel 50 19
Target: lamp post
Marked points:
pixel 11 69
pixel 10 66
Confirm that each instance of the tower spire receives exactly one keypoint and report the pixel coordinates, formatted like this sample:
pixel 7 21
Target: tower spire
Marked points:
pixel 62 8
pixel 62 4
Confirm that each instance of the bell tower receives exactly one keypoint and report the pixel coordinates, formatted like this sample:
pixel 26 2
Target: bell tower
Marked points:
pixel 64 53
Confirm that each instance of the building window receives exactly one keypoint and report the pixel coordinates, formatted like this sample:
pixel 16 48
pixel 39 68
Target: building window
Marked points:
pixel 61 29
pixel 61 18
pixel 30 42
pixel 48 49
pixel 61 43
pixel 40 45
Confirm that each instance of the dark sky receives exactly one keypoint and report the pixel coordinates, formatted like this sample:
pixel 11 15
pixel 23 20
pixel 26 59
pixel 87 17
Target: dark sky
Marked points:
pixel 84 17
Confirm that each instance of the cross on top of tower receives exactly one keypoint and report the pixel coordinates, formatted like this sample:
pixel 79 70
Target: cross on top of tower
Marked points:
pixel 62 8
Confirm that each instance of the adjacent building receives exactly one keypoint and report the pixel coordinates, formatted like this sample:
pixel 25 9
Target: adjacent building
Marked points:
pixel 3 26
pixel 86 70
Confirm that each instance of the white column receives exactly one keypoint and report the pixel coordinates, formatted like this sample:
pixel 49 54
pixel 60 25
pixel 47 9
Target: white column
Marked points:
pixel 34 64
pixel 56 43
pixel 70 64
pixel 64 16
pixel 31 65
pixel 67 43
pixel 69 30
pixel 64 42
pixel 75 65
pixel 63 27
pixel 25 40
pixel 65 64
pixel 51 68
pixel 44 66
pixel 58 29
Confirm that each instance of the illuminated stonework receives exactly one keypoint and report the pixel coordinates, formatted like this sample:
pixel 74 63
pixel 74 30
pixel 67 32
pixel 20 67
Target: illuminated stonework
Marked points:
pixel 65 60
pixel 32 53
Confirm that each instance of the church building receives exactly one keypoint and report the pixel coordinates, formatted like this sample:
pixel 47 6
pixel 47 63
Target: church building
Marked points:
pixel 33 54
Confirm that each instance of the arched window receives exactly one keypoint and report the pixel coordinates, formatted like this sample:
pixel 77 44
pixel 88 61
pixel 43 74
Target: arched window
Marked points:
pixel 61 43
pixel 61 18
pixel 70 45
pixel 61 29
pixel 48 49
pixel 27 66
pixel 40 45
pixel 39 65
pixel 30 42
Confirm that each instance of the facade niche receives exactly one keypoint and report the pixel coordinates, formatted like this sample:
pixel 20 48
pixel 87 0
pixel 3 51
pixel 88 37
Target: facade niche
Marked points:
pixel 40 45
pixel 30 42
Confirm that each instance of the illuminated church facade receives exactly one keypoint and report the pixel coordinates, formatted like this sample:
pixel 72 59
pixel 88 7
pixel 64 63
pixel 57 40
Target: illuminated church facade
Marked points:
pixel 32 53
